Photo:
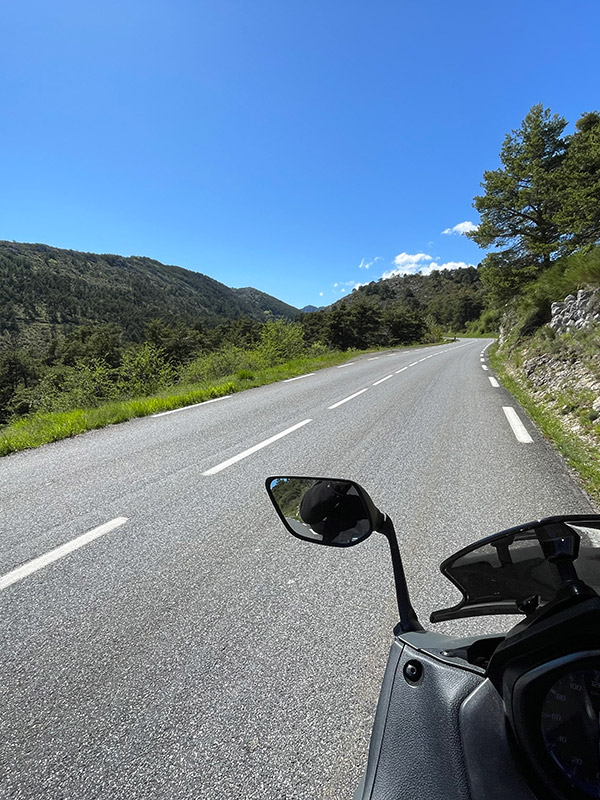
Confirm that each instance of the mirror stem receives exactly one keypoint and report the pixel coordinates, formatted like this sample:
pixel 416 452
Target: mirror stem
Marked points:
pixel 408 616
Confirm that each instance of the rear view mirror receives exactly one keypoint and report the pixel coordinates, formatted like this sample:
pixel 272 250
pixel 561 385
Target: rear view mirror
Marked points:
pixel 334 512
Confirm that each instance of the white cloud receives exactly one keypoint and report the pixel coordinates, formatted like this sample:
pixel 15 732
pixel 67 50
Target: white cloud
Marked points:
pixel 404 264
pixel 364 264
pixel 320 294
pixel 447 265
pixel 411 259
pixel 461 229
pixel 411 264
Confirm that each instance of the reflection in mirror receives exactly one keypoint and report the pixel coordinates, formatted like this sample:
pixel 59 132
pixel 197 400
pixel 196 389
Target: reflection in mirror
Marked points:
pixel 321 510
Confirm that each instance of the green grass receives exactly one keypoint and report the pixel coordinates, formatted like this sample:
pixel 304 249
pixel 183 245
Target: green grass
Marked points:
pixel 579 454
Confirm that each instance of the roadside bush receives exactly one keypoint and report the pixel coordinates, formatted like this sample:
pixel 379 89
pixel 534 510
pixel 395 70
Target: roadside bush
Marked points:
pixel 144 370
pixel 229 360
pixel 280 341
pixel 488 323
pixel 84 385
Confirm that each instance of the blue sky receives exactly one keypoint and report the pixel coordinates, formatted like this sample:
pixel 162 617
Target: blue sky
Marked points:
pixel 279 144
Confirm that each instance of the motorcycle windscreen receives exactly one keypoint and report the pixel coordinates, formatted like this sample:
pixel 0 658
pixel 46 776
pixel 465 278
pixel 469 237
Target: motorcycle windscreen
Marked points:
pixel 498 574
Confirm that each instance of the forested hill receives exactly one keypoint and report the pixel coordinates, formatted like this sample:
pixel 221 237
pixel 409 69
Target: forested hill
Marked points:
pixel 452 297
pixel 45 291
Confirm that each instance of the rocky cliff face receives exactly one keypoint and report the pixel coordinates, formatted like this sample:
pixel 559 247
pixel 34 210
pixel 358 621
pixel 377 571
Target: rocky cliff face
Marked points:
pixel 576 311
pixel 564 371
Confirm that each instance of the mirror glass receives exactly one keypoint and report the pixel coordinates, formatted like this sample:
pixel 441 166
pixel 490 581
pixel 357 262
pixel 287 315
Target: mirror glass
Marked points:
pixel 322 510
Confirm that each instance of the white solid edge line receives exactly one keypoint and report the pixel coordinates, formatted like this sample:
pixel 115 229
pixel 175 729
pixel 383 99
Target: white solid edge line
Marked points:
pixel 517 426
pixel 349 364
pixel 345 400
pixel 398 371
pixel 387 377
pixel 185 408
pixel 494 382
pixel 59 552
pixel 250 450
pixel 299 377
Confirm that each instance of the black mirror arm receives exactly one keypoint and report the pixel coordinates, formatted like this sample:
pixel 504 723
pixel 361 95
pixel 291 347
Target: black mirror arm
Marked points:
pixel 408 616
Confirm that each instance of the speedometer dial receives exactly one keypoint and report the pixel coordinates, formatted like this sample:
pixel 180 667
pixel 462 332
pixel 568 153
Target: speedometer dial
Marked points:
pixel 570 723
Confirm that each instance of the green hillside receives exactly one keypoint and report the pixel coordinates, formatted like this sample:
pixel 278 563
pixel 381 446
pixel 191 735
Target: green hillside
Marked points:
pixel 451 297
pixel 46 292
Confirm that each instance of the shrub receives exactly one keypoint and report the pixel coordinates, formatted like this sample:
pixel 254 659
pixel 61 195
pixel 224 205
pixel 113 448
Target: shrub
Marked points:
pixel 280 341
pixel 144 370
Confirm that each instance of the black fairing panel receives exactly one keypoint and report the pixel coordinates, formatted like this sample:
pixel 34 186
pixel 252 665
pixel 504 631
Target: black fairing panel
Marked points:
pixel 416 751
pixel 443 738
pixel 493 774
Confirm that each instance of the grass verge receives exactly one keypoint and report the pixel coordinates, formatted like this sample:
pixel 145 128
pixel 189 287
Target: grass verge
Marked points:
pixel 42 428
pixel 580 455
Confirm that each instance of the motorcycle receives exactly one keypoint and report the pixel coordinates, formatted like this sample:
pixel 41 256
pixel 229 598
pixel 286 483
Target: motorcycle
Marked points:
pixel 512 717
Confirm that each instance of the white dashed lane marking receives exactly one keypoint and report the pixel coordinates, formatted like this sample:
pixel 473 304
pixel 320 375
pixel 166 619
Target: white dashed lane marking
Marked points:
pixel 195 405
pixel 346 399
pixel 59 552
pixel 255 448
pixel 387 377
pixel 299 377
pixel 519 430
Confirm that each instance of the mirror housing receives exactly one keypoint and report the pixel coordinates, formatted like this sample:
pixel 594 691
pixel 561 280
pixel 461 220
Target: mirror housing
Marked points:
pixel 329 511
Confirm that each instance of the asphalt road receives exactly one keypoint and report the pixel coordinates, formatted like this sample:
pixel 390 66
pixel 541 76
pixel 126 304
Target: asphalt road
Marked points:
pixel 196 650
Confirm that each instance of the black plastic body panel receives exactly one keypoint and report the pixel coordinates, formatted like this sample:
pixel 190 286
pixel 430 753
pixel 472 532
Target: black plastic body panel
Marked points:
pixel 442 737
pixel 493 774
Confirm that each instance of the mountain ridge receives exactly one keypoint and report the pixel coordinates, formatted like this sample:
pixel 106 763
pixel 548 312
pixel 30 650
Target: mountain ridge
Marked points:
pixel 46 290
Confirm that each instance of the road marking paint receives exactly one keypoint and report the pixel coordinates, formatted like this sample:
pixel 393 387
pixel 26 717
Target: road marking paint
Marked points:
pixel 422 359
pixel 255 448
pixel 483 366
pixel 414 364
pixel 387 377
pixel 391 354
pixel 373 359
pixel 299 377
pixel 398 371
pixel 59 552
pixel 195 405
pixel 481 358
pixel 345 400
pixel 519 430
pixel 494 382
pixel 349 364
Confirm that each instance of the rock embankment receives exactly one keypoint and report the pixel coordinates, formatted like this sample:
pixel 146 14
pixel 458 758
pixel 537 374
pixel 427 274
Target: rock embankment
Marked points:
pixel 564 371
pixel 576 311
